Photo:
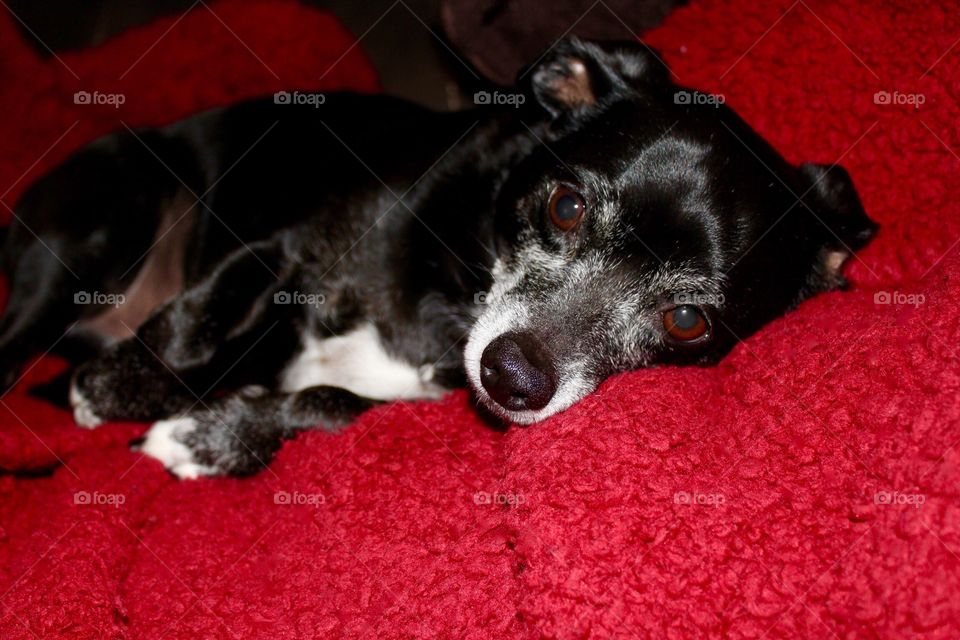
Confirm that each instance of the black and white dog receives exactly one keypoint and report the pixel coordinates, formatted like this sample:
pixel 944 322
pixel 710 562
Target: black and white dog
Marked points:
pixel 367 250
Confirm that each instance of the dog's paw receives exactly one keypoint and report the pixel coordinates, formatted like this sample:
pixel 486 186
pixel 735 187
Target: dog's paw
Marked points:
pixel 167 441
pixel 83 413
pixel 125 382
pixel 213 441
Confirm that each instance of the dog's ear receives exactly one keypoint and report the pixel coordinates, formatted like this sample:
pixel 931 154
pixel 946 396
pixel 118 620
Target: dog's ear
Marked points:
pixel 835 201
pixel 575 74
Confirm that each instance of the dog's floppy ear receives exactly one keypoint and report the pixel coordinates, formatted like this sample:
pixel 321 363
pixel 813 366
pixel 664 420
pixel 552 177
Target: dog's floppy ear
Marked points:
pixel 835 200
pixel 576 74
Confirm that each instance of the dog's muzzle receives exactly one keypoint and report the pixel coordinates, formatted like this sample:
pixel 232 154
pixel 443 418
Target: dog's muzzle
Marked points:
pixel 517 371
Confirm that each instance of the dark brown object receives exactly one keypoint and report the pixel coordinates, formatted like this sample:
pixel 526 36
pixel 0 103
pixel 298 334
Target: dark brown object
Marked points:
pixel 500 37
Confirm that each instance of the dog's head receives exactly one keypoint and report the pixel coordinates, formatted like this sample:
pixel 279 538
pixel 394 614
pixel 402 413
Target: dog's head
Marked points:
pixel 649 225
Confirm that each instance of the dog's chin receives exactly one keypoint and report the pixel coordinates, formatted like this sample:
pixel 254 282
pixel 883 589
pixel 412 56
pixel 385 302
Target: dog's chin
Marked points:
pixel 494 409
pixel 569 393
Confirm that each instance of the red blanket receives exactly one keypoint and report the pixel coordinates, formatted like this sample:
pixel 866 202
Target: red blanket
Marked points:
pixel 806 487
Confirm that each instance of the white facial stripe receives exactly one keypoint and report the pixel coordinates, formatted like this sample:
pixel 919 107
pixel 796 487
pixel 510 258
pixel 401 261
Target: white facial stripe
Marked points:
pixel 499 318
pixel 503 280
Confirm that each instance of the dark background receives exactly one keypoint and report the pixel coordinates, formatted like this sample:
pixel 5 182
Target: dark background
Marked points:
pixel 411 44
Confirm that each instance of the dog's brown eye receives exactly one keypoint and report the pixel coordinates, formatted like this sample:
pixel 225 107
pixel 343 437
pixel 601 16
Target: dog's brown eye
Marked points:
pixel 685 323
pixel 566 208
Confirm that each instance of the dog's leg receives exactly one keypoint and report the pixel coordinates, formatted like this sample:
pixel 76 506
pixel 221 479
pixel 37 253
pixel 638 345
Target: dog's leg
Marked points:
pixel 239 434
pixel 147 377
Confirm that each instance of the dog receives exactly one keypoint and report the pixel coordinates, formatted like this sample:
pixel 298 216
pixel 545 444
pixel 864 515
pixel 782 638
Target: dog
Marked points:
pixel 297 263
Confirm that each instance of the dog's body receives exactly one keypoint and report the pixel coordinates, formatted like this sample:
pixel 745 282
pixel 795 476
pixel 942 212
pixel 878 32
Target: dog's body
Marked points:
pixel 344 255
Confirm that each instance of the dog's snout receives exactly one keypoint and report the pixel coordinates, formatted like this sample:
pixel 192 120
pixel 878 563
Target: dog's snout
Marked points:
pixel 517 372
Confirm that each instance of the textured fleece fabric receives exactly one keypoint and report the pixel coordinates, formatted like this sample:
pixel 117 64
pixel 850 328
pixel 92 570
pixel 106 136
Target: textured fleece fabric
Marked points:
pixel 806 487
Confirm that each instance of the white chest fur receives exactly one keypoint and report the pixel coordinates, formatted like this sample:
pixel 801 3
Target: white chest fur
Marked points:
pixel 356 361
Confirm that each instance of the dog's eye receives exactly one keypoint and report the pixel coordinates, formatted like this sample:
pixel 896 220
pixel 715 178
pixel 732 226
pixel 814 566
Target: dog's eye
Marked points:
pixel 566 208
pixel 685 323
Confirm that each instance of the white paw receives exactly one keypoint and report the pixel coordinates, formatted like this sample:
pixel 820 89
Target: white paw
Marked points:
pixel 83 413
pixel 175 456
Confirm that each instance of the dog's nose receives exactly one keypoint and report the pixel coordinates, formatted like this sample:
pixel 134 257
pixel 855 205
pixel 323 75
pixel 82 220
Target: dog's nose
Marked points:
pixel 517 372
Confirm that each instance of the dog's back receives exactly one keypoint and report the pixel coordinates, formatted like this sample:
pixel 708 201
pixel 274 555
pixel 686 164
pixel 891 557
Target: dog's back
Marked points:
pixel 139 214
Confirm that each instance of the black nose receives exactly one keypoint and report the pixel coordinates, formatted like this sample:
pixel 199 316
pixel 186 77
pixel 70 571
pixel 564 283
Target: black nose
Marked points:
pixel 517 372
